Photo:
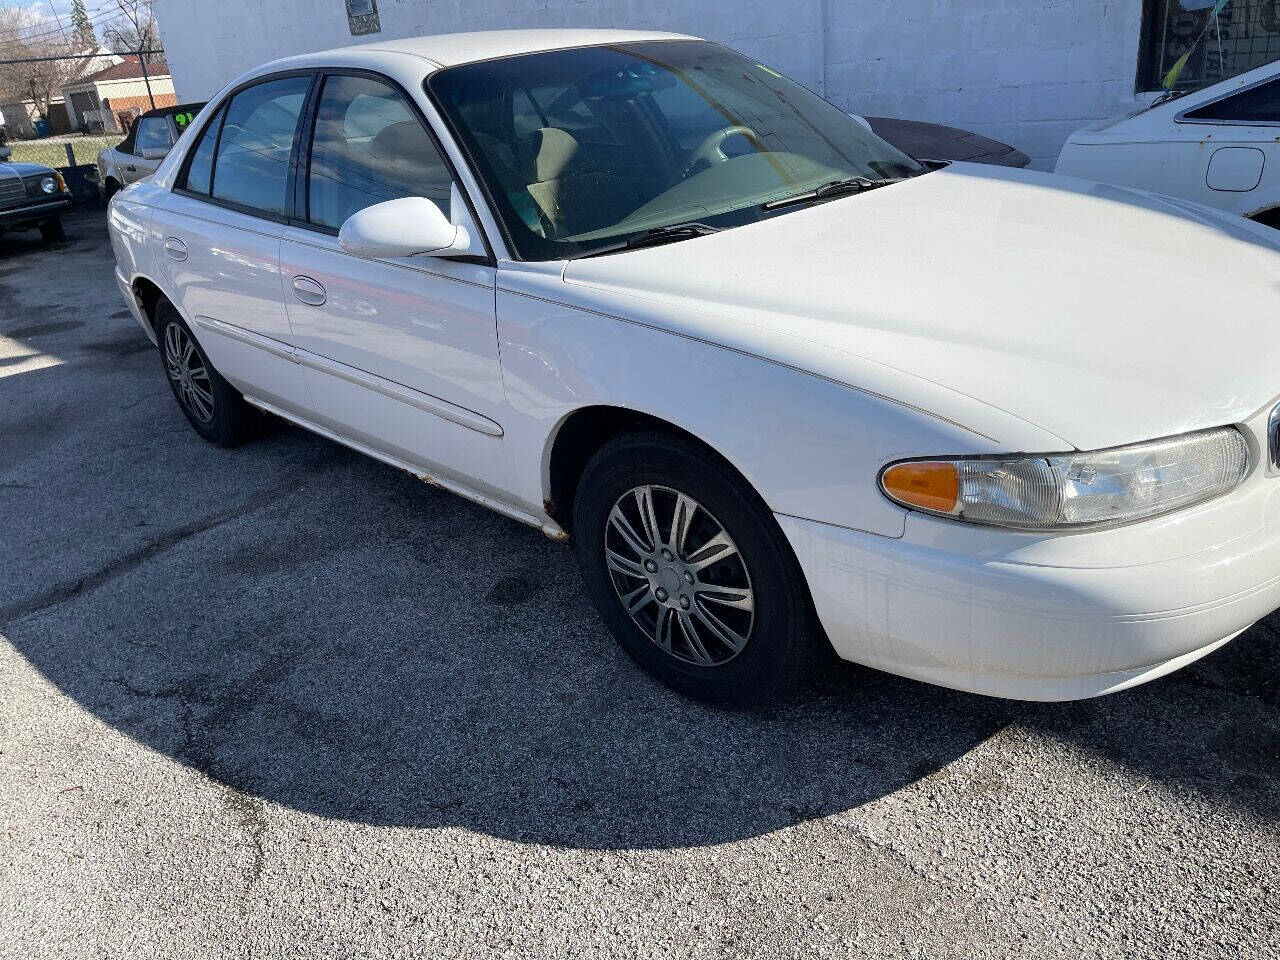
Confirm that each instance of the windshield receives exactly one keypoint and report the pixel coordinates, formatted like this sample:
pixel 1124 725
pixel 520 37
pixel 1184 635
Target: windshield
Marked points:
pixel 580 149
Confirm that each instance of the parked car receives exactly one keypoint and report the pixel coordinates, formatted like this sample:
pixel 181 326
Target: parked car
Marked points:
pixel 150 137
pixel 33 197
pixel 1219 146
pixel 786 388
pixel 936 141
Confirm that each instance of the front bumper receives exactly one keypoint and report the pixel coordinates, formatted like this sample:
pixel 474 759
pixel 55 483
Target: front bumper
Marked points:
pixel 34 213
pixel 1039 617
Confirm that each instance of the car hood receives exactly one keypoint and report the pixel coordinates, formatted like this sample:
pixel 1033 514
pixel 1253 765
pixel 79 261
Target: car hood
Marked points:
pixel 1099 314
pixel 10 170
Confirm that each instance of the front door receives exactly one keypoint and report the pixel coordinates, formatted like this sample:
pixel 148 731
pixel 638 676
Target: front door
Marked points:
pixel 401 355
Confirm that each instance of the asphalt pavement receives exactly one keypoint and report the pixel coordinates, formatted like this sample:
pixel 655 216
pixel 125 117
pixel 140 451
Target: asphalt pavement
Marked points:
pixel 285 701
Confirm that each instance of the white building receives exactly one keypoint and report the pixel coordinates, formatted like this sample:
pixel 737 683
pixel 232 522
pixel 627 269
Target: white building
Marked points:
pixel 1024 71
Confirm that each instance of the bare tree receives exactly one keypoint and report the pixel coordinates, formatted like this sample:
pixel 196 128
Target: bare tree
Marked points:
pixel 27 37
pixel 134 31
pixel 133 28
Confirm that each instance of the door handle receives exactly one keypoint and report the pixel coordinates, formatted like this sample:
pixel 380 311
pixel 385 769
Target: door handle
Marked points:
pixel 131 168
pixel 308 291
pixel 175 248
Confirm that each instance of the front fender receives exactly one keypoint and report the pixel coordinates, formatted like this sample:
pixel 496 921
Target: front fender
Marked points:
pixel 811 447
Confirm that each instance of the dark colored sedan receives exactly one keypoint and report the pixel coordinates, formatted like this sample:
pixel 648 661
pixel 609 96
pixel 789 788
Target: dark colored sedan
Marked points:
pixel 33 196
pixel 933 141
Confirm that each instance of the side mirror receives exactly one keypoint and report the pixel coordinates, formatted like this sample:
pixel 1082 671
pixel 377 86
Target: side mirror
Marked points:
pixel 402 228
pixel 154 153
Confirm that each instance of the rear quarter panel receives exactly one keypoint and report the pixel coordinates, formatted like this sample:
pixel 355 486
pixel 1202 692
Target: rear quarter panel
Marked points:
pixel 128 221
pixel 1177 164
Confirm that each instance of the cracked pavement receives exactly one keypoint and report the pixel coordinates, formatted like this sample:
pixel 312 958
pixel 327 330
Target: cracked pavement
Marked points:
pixel 284 701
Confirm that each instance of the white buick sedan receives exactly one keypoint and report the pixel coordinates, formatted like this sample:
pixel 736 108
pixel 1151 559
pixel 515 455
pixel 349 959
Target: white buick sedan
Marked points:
pixel 786 388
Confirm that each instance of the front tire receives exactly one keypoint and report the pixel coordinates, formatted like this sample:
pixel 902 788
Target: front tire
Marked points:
pixel 692 574
pixel 211 405
pixel 51 231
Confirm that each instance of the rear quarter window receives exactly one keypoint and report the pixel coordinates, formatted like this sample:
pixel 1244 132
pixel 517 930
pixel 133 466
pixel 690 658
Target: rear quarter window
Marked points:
pixel 1260 104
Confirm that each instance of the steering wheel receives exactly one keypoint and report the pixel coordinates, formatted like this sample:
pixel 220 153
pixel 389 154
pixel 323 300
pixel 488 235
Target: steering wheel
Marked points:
pixel 711 149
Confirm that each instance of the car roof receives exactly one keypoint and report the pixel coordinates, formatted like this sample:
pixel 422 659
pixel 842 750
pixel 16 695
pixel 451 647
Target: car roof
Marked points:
pixel 176 108
pixel 452 49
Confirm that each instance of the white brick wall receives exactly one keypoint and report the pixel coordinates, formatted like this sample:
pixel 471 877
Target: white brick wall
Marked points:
pixel 1021 71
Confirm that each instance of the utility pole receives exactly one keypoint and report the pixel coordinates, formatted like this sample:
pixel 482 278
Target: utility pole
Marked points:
pixel 142 59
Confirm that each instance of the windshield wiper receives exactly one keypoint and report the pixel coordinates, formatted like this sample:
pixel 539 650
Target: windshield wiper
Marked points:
pixel 834 188
pixel 655 236
pixel 676 231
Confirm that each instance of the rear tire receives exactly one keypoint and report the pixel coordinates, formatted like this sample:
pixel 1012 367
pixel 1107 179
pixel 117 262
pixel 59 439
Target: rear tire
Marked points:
pixel 211 405
pixel 720 612
pixel 51 231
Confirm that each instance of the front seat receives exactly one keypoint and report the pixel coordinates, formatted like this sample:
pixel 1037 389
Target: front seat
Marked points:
pixel 571 196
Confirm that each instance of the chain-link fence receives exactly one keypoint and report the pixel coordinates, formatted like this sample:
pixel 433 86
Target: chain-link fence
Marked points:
pixel 61 112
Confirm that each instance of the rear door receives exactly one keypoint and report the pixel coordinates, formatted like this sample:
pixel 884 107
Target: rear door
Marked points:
pixel 219 238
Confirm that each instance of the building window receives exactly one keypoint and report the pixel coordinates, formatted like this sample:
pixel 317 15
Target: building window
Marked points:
pixel 1244 35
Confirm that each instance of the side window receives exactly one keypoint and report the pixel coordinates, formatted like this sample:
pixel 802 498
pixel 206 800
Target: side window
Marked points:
pixel 126 145
pixel 200 172
pixel 369 147
pixel 153 133
pixel 1259 105
pixel 252 163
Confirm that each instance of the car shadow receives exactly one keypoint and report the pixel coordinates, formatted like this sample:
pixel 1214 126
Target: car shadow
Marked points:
pixel 353 644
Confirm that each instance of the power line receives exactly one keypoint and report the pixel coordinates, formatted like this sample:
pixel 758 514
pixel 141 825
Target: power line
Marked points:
pixel 102 17
pixel 71 56
pixel 45 36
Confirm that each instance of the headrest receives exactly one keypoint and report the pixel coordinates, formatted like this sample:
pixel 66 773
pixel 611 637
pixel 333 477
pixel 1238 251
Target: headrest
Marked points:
pixel 553 151
pixel 399 141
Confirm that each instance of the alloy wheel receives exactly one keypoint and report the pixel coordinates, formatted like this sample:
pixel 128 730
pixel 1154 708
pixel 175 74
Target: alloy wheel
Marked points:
pixel 189 373
pixel 679 575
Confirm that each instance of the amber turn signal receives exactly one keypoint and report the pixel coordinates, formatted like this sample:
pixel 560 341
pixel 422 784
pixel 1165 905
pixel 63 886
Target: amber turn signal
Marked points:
pixel 925 484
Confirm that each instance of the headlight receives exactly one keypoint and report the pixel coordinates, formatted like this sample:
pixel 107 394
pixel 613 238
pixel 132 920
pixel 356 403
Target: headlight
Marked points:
pixel 1076 489
pixel 49 185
